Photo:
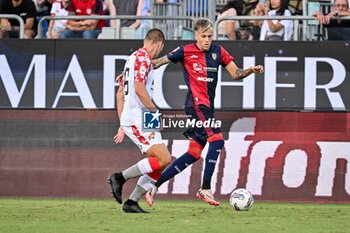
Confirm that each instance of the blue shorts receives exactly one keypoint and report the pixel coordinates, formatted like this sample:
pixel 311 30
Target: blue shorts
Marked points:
pixel 201 134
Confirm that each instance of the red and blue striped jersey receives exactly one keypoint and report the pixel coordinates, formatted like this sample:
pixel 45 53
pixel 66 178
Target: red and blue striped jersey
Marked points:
pixel 200 71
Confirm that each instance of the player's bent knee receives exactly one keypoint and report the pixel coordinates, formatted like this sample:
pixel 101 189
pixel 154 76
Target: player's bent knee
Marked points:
pixel 163 161
pixel 161 153
pixel 195 149
pixel 166 161
pixel 216 137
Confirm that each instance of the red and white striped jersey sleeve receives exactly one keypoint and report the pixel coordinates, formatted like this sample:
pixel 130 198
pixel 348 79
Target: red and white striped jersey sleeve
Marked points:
pixel 142 66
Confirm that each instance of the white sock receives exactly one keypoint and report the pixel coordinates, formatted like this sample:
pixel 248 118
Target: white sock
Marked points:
pixel 144 166
pixel 146 182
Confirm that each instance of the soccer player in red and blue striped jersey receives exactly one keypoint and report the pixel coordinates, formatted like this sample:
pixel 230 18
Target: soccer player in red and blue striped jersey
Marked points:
pixel 201 61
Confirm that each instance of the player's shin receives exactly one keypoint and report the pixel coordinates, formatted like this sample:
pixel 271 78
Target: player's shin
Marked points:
pixel 214 150
pixel 144 184
pixel 181 163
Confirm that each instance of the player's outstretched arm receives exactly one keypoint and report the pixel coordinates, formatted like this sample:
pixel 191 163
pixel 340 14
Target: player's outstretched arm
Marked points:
pixel 118 138
pixel 120 100
pixel 238 73
pixel 145 99
pixel 160 61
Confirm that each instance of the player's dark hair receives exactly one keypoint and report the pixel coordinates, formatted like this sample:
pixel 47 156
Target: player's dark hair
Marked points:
pixel 155 35
pixel 203 23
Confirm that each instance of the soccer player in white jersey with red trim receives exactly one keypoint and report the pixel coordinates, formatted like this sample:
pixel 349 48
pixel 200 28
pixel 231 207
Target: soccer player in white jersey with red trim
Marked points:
pixel 133 96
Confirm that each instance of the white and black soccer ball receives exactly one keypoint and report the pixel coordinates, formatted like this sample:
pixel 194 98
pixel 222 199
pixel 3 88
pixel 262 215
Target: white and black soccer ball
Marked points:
pixel 241 199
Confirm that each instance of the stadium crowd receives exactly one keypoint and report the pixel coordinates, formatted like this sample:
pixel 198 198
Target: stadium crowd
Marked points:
pixel 328 18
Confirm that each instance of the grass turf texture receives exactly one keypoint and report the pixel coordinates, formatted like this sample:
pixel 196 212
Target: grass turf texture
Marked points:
pixel 73 215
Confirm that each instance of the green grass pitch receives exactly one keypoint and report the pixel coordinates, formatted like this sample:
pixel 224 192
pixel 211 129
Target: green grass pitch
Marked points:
pixel 76 215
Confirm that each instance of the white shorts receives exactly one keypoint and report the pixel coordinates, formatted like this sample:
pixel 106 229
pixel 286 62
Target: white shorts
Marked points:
pixel 144 140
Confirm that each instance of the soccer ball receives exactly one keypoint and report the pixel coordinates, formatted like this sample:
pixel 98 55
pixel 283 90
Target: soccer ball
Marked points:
pixel 241 199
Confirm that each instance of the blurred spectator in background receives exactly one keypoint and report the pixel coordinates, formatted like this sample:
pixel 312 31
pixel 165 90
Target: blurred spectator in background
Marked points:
pixel 123 7
pixel 337 29
pixel 227 28
pixel 87 28
pixel 257 24
pixel 59 8
pixel 277 29
pixel 145 24
pixel 9 28
pixel 43 8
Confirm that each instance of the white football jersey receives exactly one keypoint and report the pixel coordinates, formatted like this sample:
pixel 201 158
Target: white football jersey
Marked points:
pixel 138 68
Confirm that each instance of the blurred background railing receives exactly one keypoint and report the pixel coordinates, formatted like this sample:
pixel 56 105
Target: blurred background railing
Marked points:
pixel 176 18
pixel 303 29
pixel 20 20
pixel 173 30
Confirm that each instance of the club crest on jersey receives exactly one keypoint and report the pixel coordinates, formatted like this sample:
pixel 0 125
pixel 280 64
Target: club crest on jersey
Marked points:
pixel 214 56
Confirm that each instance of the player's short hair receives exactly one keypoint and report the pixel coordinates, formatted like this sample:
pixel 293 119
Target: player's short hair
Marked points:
pixel 155 35
pixel 204 24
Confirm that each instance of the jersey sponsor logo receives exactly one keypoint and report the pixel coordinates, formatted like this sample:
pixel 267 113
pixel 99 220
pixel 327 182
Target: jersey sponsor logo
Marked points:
pixel 197 67
pixel 211 69
pixel 205 79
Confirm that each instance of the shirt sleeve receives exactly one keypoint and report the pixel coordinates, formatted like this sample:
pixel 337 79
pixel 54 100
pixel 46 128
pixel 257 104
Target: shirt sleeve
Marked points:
pixel 226 58
pixel 31 10
pixel 54 8
pixel 176 55
pixel 142 67
pixel 2 7
pixel 71 7
pixel 284 22
pixel 97 7
pixel 231 12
